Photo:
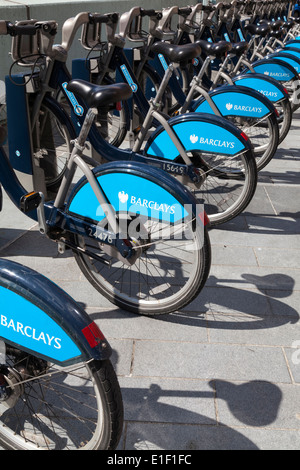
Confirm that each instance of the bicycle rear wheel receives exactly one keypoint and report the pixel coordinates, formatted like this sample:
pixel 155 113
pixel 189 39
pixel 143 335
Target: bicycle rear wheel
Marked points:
pixel 55 408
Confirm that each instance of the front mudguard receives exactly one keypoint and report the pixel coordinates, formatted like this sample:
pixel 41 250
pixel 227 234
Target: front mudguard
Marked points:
pixel 198 132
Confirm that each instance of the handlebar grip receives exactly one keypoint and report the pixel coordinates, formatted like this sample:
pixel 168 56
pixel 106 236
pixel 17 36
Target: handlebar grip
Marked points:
pixel 184 11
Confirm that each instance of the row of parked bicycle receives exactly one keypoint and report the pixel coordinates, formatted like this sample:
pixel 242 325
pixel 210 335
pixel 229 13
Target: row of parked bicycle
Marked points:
pixel 202 99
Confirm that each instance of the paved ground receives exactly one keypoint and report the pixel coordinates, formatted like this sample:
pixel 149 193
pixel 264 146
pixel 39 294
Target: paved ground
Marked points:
pixel 224 373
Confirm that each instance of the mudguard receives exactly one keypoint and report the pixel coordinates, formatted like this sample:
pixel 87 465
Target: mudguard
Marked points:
pixel 275 68
pixel 198 132
pixel 236 101
pixel 133 188
pixel 40 318
pixel 265 85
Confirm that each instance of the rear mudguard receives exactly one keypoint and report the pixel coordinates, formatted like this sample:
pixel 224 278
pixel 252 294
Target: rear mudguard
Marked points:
pixel 275 68
pixel 236 101
pixel 198 132
pixel 38 317
pixel 135 189
pixel 265 85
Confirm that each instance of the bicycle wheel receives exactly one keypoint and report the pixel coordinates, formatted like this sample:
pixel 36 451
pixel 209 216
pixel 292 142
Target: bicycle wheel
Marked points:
pixel 229 184
pixel 55 408
pixel 52 144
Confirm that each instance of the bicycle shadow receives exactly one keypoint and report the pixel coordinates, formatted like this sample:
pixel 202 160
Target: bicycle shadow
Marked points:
pixel 154 422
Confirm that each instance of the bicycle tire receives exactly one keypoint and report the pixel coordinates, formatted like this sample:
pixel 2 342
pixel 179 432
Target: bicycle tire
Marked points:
pixel 55 409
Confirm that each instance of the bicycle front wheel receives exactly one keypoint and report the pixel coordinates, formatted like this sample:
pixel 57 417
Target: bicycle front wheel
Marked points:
pixel 55 408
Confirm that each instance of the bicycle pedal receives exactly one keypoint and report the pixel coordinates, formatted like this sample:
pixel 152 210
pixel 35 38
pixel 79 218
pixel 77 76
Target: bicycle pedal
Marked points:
pixel 30 201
